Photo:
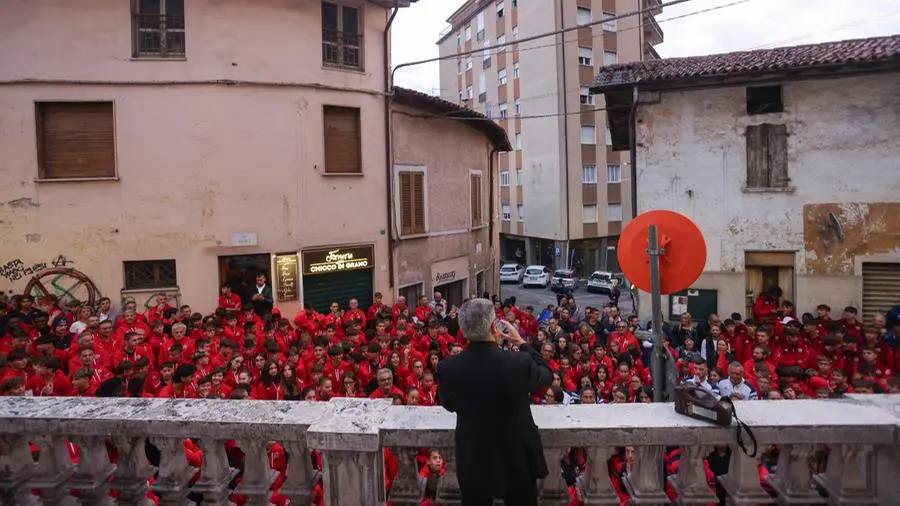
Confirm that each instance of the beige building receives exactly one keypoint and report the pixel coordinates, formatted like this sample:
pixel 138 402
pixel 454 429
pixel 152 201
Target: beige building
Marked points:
pixel 167 145
pixel 445 209
pixel 564 194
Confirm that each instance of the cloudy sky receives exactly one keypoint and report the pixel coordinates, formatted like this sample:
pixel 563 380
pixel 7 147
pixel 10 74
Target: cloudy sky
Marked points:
pixel 748 25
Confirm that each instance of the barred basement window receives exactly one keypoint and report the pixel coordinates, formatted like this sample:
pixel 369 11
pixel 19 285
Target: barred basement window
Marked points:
pixel 144 274
pixel 158 28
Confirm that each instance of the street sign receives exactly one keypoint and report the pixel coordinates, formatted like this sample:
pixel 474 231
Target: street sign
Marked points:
pixel 558 251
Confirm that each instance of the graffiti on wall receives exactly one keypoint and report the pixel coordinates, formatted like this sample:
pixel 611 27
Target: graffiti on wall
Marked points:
pixel 17 269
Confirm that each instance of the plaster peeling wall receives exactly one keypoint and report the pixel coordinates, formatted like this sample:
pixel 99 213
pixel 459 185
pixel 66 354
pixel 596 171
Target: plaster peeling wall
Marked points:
pixel 842 148
pixel 868 229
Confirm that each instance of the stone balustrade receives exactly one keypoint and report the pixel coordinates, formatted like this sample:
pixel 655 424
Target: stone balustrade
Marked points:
pixel 860 433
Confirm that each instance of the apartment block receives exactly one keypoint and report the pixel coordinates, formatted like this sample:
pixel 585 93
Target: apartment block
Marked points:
pixel 564 194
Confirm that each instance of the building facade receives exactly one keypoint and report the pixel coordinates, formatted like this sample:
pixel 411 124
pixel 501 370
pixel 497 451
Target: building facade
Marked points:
pixel 564 194
pixel 445 210
pixel 786 158
pixel 176 146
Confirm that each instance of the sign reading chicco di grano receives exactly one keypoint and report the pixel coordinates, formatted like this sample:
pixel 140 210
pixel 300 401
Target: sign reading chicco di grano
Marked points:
pixel 337 260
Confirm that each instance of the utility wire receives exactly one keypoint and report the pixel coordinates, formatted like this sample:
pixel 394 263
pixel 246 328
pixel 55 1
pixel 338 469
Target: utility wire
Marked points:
pixel 539 36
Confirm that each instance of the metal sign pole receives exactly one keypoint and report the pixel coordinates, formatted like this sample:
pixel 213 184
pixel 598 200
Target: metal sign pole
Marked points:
pixel 658 367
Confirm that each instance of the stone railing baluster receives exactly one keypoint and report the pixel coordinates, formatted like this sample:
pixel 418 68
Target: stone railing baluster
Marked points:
pixel 54 468
pixel 256 482
pixel 406 488
pixel 132 471
pixel 644 482
pixel 174 472
pixel 216 474
pixel 94 469
pixel 448 489
pixel 849 477
pixel 347 433
pixel 553 489
pixel 794 480
pixel 301 476
pixel 742 480
pixel 690 481
pixel 16 468
pixel 597 488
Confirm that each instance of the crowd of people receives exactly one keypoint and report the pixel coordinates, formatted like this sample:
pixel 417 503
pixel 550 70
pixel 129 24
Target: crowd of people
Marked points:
pixel 246 351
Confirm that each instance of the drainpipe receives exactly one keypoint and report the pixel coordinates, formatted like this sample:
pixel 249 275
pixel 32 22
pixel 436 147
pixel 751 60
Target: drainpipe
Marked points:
pixel 632 147
pixel 494 193
pixel 565 120
pixel 389 143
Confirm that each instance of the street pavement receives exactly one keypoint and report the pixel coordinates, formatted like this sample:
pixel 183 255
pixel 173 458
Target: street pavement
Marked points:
pixel 539 298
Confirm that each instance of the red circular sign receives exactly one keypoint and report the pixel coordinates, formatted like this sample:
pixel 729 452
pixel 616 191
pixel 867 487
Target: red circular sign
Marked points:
pixel 681 262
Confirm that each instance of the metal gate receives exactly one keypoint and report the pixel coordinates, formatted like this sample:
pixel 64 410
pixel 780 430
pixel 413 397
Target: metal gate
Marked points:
pixel 881 288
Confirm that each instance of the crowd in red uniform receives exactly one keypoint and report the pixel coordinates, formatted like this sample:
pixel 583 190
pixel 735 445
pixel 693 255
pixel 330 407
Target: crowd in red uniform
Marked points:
pixel 391 352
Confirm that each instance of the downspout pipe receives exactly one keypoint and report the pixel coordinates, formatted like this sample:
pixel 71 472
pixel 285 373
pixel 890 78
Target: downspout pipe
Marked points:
pixel 389 143
pixel 494 193
pixel 632 147
pixel 565 121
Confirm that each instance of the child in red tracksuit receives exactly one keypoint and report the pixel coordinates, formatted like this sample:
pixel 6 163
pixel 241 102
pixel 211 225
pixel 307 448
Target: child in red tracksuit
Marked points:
pixel 430 474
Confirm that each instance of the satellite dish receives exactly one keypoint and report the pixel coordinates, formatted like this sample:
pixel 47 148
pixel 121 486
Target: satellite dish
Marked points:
pixel 835 225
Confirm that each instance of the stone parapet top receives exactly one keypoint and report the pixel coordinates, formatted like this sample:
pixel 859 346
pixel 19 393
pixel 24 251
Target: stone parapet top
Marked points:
pixel 366 424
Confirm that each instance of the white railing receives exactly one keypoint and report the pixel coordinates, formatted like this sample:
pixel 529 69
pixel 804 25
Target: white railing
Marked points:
pixel 860 434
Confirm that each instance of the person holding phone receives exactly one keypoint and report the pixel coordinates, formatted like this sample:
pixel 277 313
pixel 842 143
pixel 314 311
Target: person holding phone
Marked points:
pixel 498 447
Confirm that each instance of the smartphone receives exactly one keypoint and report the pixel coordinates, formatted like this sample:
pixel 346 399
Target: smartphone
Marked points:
pixel 502 327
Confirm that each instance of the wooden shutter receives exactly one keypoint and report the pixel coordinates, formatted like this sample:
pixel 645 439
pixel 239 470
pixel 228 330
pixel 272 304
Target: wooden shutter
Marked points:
pixel 757 172
pixel 881 288
pixel 412 203
pixel 767 165
pixel 343 140
pixel 76 140
pixel 476 200
pixel 776 144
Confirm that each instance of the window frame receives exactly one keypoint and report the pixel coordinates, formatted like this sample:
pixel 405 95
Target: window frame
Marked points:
pixel 586 216
pixel 501 76
pixel 505 212
pixel 359 120
pixel 518 141
pixel 504 179
pixel 500 7
pixel 593 142
pixel 610 55
pixel 579 11
pixel 163 30
pixel 520 178
pixel 504 110
pixel 617 171
pixel 589 173
pixel 516 70
pixel 520 212
pixel 342 64
pixel 414 230
pixel 585 61
pixel 614 26
pixel 585 96
pixel 477 220
pixel 614 216
pixel 149 286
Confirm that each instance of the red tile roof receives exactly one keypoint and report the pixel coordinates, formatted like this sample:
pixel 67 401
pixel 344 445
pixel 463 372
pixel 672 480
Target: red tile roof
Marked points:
pixel 698 69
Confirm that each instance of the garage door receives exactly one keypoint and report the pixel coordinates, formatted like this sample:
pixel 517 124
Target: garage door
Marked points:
pixel 340 287
pixel 881 288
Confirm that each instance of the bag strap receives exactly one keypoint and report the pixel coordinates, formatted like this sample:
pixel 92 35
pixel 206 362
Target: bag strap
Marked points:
pixel 739 429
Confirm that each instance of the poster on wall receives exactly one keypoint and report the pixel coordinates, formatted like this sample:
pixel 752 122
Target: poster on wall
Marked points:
pixel 287 278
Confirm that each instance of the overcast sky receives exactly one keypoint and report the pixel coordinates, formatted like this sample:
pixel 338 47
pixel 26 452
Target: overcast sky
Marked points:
pixel 749 25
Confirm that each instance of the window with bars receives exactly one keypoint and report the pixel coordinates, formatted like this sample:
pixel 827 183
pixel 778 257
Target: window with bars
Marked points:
pixel 75 140
pixel 476 204
pixel 412 202
pixel 343 140
pixel 150 274
pixel 158 28
pixel 342 39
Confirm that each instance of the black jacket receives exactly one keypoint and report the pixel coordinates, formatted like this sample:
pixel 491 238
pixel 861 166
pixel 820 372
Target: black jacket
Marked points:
pixel 498 446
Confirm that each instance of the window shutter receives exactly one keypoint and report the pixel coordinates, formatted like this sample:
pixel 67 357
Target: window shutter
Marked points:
pixel 406 197
pixel 418 203
pixel 343 140
pixel 76 140
pixel 757 172
pixel 777 151
pixel 476 200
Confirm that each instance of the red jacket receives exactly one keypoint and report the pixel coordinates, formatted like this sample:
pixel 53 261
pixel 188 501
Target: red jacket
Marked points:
pixel 60 386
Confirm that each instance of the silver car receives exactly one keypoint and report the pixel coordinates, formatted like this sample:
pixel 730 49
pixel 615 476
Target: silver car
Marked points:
pixel 512 273
pixel 601 282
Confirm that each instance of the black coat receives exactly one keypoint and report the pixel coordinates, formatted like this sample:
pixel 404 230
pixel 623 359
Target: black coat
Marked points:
pixel 498 446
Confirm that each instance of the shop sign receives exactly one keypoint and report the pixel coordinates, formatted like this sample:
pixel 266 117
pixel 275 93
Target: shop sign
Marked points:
pixel 287 279
pixel 338 260
pixel 449 271
pixel 441 278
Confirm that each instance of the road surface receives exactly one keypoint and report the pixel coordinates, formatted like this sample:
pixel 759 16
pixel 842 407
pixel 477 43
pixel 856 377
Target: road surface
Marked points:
pixel 540 297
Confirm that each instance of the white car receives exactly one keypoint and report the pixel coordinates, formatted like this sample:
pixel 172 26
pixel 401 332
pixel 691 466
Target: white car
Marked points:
pixel 512 273
pixel 536 275
pixel 601 282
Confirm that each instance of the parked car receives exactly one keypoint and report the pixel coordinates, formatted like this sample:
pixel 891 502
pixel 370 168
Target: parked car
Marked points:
pixel 601 282
pixel 563 280
pixel 536 275
pixel 512 273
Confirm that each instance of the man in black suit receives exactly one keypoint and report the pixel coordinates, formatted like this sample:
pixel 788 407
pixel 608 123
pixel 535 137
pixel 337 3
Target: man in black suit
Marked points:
pixel 261 296
pixel 498 446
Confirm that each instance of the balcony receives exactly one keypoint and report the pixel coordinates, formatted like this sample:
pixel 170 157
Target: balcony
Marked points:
pixel 859 432
pixel 654 6
pixel 652 32
pixel 650 52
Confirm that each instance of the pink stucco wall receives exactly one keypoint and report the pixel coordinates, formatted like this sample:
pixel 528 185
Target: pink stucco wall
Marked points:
pixel 196 162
